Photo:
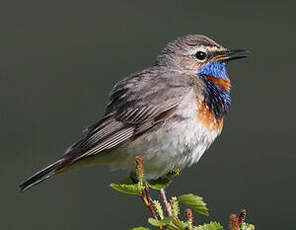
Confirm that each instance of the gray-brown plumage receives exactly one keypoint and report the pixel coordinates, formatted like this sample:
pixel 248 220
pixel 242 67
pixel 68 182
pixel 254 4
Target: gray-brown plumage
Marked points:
pixel 153 113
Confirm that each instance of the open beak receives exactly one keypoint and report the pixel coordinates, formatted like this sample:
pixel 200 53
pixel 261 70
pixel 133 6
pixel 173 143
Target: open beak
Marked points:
pixel 229 55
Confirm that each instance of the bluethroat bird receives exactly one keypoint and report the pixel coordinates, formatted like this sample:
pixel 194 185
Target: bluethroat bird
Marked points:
pixel 169 113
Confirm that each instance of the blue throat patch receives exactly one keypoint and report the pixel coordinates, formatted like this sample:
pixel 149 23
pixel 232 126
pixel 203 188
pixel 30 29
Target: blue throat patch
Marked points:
pixel 215 69
pixel 217 99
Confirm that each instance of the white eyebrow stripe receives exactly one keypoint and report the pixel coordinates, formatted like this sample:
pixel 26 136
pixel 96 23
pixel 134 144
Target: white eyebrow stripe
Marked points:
pixel 205 49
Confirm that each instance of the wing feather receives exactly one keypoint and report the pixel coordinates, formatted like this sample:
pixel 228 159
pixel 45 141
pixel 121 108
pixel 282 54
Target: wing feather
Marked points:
pixel 136 104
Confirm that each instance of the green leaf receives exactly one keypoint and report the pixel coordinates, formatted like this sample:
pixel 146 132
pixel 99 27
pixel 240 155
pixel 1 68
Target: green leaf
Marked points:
pixel 175 206
pixel 210 226
pixel 194 202
pixel 133 189
pixel 176 224
pixel 159 183
pixel 157 207
pixel 141 228
pixel 160 223
pixel 246 226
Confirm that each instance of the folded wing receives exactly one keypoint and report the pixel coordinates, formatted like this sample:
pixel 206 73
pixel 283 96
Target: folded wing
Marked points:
pixel 136 104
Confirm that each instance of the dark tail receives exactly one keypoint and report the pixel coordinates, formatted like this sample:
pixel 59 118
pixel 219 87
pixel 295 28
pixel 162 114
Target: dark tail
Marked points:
pixel 44 174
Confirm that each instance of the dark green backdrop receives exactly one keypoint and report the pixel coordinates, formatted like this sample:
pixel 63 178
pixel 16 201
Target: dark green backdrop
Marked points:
pixel 59 60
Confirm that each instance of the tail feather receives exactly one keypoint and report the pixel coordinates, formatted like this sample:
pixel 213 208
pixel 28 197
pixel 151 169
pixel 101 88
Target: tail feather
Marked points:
pixel 44 174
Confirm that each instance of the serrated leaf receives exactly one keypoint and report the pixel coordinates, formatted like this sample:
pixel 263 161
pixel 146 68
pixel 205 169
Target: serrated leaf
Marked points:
pixel 159 183
pixel 158 208
pixel 160 223
pixel 141 228
pixel 133 189
pixel 175 206
pixel 194 202
pixel 176 224
pixel 210 226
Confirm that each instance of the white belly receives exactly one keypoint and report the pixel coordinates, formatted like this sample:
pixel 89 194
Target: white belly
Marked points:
pixel 181 141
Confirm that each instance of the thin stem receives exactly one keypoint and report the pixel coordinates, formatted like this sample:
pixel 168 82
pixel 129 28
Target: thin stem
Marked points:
pixel 166 204
pixel 150 206
pixel 145 196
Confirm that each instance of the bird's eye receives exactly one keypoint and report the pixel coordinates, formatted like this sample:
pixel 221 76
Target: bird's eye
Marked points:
pixel 200 55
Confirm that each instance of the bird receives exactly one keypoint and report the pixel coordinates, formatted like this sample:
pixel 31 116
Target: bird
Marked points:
pixel 169 113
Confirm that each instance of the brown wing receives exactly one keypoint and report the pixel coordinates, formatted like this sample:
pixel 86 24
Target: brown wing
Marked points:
pixel 136 104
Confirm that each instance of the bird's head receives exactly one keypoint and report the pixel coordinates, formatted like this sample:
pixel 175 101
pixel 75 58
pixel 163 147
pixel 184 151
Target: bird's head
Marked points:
pixel 198 54
pixel 201 56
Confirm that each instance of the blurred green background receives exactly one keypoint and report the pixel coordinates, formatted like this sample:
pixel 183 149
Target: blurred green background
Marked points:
pixel 59 60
